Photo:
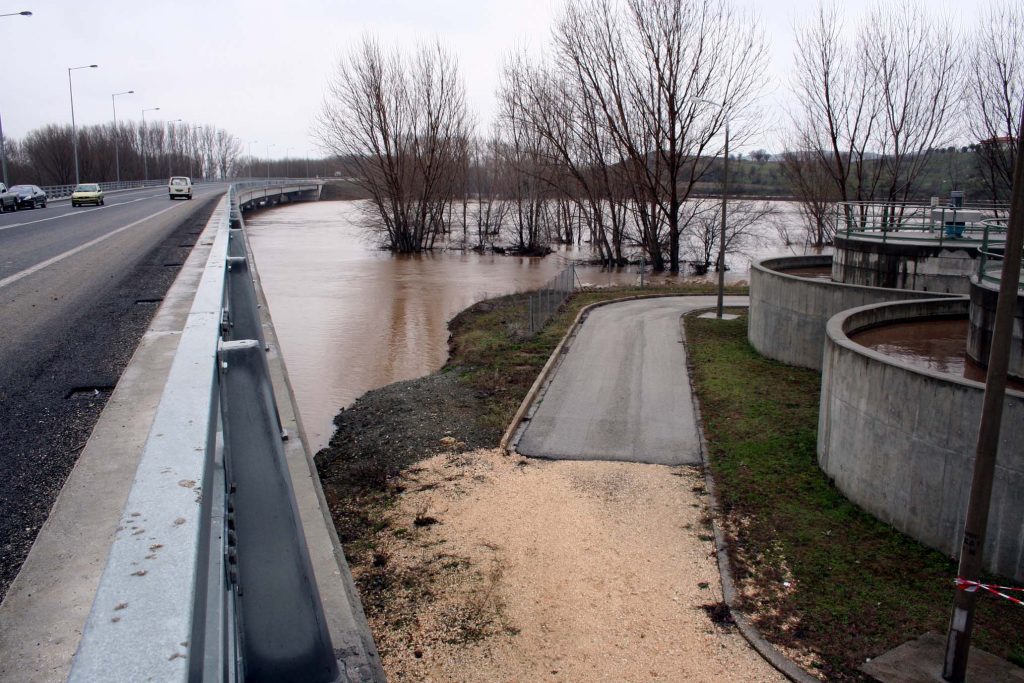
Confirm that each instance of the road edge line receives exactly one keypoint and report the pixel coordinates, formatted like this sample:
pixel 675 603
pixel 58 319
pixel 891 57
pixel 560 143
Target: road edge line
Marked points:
pixel 42 265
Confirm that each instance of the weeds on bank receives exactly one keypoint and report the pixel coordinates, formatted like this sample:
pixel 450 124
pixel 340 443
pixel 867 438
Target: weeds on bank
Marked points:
pixel 816 574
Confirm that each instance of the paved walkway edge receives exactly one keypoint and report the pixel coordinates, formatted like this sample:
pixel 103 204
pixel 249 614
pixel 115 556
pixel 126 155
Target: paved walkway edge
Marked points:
pixel 509 438
pixel 773 656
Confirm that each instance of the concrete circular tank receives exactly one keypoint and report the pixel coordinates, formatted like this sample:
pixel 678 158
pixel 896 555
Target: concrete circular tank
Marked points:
pixel 925 247
pixel 926 266
pixel 899 441
pixel 984 295
pixel 788 311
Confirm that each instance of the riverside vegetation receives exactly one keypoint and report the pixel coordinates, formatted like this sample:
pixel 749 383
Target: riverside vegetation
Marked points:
pixel 821 579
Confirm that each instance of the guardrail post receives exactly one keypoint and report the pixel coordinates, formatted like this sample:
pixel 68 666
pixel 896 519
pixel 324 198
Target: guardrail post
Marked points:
pixel 283 633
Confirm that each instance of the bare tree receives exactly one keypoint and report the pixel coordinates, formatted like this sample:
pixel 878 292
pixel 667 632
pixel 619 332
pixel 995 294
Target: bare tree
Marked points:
pixel 816 194
pixel 996 84
pixel 875 102
pixel 643 65
pixel 402 119
pixel 744 231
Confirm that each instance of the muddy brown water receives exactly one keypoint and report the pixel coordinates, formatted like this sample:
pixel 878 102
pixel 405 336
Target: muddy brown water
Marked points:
pixel 351 317
pixel 938 345
pixel 810 272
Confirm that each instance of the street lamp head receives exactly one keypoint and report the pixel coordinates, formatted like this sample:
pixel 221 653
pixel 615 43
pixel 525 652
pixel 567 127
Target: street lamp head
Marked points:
pixel 25 13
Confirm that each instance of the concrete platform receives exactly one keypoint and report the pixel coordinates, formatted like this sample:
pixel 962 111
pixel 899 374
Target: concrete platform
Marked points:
pixel 920 661
pixel 714 316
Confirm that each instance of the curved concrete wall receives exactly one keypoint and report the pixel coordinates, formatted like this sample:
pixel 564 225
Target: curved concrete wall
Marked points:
pixel 788 313
pixel 900 442
pixel 984 296
pixel 905 265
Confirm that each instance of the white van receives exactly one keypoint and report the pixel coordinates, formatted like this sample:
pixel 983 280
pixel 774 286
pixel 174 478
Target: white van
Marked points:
pixel 179 186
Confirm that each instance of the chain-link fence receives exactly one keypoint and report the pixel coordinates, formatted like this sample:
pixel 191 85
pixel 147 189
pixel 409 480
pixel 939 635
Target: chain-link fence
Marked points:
pixel 546 301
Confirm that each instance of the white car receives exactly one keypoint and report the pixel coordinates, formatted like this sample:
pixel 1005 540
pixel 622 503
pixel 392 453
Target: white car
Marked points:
pixel 179 186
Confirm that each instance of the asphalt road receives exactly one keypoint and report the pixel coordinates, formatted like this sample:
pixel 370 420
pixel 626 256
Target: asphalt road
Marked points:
pixel 622 391
pixel 78 287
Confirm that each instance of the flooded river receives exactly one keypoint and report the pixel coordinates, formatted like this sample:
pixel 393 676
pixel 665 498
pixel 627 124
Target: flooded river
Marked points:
pixel 351 317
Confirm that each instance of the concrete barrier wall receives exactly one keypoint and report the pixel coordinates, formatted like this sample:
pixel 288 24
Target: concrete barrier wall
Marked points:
pixel 984 296
pixel 900 441
pixel 788 313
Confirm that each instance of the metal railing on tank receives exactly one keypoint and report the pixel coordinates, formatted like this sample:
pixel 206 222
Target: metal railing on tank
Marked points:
pixel 884 221
pixel 990 261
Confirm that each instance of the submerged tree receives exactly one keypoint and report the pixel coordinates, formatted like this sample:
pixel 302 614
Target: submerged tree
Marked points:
pixel 402 120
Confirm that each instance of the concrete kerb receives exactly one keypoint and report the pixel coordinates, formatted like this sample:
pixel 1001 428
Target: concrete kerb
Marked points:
pixel 783 664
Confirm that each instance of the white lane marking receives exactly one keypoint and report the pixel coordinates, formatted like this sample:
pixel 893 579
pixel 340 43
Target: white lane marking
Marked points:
pixel 11 279
pixel 76 212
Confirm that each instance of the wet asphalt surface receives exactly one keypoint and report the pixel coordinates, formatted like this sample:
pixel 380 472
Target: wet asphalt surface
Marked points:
pixel 53 389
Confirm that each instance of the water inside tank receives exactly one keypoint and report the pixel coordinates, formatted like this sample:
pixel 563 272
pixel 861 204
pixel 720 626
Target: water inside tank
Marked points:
pixel 938 345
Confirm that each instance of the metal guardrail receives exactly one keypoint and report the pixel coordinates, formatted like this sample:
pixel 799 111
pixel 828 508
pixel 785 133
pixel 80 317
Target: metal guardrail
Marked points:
pixel 208 577
pixel 897 221
pixel 990 262
pixel 548 299
pixel 62 191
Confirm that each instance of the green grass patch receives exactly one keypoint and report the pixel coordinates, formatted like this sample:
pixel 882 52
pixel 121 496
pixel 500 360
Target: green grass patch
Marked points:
pixel 491 350
pixel 857 587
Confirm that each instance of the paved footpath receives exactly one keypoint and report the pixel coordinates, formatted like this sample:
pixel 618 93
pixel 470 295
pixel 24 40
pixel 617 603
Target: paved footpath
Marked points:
pixel 621 391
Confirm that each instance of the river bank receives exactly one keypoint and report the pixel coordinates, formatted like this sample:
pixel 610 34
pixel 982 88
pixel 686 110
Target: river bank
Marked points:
pixel 473 565
pixel 454 546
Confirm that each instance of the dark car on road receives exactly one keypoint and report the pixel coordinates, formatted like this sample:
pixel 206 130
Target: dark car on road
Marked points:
pixel 29 196
pixel 8 200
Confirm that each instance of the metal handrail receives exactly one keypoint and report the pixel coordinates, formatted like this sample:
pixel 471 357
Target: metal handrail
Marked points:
pixel 208 577
pixel 990 261
pixel 901 221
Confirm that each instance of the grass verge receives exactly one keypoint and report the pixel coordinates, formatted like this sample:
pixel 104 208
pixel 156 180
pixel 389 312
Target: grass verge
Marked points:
pixel 817 575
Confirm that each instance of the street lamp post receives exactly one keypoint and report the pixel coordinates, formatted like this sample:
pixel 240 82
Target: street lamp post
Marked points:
pixel 3 148
pixel 117 155
pixel 725 198
pixel 74 130
pixel 251 143
pixel 145 163
pixel 287 163
pixel 268 160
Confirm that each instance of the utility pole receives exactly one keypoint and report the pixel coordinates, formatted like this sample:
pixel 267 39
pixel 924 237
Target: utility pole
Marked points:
pixel 117 132
pixel 958 641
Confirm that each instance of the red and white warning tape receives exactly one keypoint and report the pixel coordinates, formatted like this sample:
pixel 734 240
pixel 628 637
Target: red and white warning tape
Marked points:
pixel 971 586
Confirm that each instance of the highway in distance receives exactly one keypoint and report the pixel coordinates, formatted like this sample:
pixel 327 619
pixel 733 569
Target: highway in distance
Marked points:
pixel 78 287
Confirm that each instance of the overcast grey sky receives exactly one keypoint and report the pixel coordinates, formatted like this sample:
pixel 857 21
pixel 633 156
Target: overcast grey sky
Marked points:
pixel 258 69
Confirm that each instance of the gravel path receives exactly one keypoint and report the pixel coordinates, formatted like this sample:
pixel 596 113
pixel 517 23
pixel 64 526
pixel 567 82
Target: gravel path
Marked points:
pixel 559 571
